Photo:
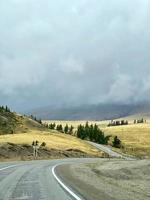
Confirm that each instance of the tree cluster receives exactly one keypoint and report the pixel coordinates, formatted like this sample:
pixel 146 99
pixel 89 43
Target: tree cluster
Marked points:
pixel 52 126
pixel 137 121
pixel 116 142
pixel 92 133
pixel 118 123
pixel 4 109
pixel 60 128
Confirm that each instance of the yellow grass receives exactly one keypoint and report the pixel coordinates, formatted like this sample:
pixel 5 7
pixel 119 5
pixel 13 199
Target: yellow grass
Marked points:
pixel 53 140
pixel 135 137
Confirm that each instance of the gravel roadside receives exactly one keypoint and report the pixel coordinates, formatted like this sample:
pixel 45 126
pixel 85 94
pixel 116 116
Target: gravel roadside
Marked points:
pixel 109 179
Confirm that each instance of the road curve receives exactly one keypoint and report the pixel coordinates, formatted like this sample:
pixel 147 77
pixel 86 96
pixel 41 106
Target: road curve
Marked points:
pixel 37 180
pixel 33 180
pixel 107 149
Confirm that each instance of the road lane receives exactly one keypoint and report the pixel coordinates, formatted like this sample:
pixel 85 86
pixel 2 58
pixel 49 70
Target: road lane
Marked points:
pixel 107 149
pixel 33 180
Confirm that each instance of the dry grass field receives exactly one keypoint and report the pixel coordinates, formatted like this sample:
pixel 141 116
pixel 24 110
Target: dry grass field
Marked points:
pixel 52 139
pixel 135 137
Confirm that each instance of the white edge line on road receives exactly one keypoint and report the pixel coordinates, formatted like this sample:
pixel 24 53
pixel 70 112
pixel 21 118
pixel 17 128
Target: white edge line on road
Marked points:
pixel 11 166
pixel 63 185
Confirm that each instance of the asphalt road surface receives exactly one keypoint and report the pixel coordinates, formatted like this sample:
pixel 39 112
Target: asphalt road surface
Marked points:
pixel 107 149
pixel 37 180
pixel 34 180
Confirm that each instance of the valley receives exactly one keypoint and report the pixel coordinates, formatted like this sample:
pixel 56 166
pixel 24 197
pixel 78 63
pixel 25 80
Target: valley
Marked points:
pixel 135 137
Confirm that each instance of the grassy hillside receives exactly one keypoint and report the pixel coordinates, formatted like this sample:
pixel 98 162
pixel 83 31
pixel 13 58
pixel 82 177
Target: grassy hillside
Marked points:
pixel 11 122
pixel 18 132
pixel 58 145
pixel 19 129
pixel 135 137
pixel 53 140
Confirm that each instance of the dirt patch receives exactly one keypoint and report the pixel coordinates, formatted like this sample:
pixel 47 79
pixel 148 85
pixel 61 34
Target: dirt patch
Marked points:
pixel 11 151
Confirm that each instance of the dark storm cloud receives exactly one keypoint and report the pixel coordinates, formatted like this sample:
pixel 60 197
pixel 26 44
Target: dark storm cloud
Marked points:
pixel 74 52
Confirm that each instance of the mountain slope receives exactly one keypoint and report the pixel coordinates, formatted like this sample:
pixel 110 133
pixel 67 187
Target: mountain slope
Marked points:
pixel 18 132
pixel 11 122
pixel 87 112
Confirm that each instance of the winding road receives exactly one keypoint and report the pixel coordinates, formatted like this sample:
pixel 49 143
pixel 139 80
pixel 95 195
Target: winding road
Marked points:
pixel 37 180
pixel 34 180
pixel 108 149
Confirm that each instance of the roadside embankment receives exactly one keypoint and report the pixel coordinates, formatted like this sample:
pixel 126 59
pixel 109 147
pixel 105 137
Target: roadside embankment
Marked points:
pixel 109 179
pixel 10 151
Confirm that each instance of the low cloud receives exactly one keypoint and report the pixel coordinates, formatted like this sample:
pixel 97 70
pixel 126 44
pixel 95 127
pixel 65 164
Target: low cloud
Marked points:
pixel 74 52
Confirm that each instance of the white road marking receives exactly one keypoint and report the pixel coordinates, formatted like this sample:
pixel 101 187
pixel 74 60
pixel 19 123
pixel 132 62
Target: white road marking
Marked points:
pixel 63 185
pixel 11 166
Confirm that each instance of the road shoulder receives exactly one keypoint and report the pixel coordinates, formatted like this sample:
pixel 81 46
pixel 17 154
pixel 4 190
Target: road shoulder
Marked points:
pixel 114 179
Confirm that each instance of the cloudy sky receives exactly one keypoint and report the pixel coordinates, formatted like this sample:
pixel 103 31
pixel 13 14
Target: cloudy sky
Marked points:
pixel 74 52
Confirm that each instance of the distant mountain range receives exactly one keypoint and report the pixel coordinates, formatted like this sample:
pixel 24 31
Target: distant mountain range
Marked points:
pixel 91 112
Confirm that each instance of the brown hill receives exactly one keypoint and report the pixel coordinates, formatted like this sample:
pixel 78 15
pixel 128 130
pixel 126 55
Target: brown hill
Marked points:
pixel 11 122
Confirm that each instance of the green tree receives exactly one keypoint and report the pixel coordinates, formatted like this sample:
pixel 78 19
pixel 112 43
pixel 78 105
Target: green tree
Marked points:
pixel 116 142
pixel 59 128
pixel 71 129
pixel 81 132
pixel 66 129
pixel 7 109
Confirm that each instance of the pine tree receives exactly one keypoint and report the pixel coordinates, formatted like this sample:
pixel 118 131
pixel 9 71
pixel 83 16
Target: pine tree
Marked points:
pixel 116 142
pixel 71 129
pixel 59 128
pixel 66 129
pixel 95 130
pixel 7 109
pixel 81 132
pixel 91 131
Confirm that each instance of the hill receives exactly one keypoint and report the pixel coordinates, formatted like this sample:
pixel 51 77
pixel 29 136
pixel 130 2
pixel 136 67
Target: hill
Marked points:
pixel 11 122
pixel 135 137
pixel 58 145
pixel 17 133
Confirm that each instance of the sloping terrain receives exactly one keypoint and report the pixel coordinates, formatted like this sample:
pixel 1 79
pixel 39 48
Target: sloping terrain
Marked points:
pixel 58 145
pixel 11 122
pixel 18 132
pixel 12 151
pixel 8 121
pixel 135 137
pixel 92 112
pixel 86 112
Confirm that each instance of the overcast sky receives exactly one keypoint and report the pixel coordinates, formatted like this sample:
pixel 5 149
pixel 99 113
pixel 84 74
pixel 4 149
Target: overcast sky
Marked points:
pixel 74 52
